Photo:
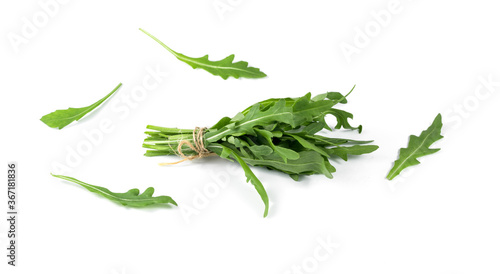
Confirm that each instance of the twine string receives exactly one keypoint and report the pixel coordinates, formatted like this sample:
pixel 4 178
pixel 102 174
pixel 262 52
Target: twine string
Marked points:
pixel 198 147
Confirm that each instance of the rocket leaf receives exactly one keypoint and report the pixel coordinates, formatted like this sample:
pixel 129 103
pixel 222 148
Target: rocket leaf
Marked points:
pixel 224 68
pixel 417 147
pixel 342 152
pixel 250 177
pixel 63 117
pixel 130 198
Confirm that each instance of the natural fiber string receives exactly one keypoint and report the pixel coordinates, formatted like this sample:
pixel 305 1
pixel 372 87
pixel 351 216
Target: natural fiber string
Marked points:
pixel 198 147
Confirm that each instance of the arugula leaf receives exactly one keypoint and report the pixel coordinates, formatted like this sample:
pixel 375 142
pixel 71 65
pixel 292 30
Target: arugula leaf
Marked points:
pixel 305 143
pixel 224 68
pixel 308 163
pixel 130 198
pixel 250 177
pixel 284 153
pixel 336 97
pixel 342 152
pixel 342 117
pixel 61 118
pixel 417 147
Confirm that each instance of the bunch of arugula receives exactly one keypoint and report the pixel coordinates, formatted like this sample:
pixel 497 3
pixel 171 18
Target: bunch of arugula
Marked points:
pixel 279 134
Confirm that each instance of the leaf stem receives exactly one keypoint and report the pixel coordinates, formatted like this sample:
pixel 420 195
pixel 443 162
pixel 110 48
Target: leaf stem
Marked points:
pixel 345 96
pixel 160 42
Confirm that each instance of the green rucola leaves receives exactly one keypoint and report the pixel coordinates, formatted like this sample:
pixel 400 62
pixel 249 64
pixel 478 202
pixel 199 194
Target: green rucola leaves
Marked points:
pixel 61 118
pixel 131 198
pixel 224 68
pixel 417 147
pixel 280 134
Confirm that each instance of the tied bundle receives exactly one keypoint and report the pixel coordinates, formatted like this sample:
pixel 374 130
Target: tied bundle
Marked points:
pixel 280 134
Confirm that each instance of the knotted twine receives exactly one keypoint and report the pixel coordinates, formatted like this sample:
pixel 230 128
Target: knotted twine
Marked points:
pixel 198 147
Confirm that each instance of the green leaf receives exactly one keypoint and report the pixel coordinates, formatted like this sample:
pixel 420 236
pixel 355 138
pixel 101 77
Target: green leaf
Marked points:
pixel 261 150
pixel 313 128
pixel 342 152
pixel 334 141
pixel 337 97
pixel 342 121
pixel 417 147
pixel 130 198
pixel 224 68
pixel 61 118
pixel 250 177
pixel 305 109
pixel 309 145
pixel 222 122
pixel 285 153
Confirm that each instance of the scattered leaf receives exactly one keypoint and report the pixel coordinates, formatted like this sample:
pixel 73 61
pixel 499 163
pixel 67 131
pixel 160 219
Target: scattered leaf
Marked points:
pixel 224 68
pixel 131 198
pixel 417 147
pixel 63 117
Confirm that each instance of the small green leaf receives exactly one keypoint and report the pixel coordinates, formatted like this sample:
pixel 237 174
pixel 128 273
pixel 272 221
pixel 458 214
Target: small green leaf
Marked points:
pixel 129 198
pixel 61 118
pixel 224 68
pixel 250 177
pixel 417 147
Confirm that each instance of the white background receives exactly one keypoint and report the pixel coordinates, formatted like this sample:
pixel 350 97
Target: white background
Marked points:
pixel 429 57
